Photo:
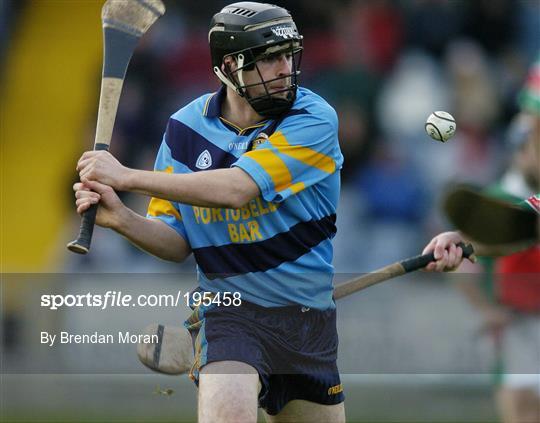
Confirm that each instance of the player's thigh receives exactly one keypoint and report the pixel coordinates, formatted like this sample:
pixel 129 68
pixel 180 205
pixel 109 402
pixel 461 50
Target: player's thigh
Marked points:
pixel 228 392
pixel 300 411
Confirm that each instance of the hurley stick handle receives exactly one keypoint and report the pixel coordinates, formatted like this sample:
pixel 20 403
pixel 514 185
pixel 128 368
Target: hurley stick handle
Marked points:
pixel 391 271
pixel 82 244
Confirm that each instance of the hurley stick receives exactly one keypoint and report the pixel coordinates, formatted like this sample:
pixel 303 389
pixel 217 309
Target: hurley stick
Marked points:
pixel 124 22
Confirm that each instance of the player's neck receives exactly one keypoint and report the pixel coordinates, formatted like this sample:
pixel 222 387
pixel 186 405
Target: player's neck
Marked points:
pixel 237 110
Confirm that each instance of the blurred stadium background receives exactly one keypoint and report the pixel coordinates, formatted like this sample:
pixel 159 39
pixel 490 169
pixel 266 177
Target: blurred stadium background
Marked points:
pixel 410 349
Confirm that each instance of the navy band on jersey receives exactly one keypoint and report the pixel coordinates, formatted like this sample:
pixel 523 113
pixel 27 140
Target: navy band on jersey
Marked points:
pixel 275 251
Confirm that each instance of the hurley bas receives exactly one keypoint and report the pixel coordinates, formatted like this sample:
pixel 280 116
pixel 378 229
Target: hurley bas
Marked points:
pixel 97 338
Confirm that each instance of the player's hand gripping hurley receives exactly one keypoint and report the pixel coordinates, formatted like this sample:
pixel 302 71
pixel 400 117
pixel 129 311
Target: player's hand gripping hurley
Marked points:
pixel 124 22
pixel 391 271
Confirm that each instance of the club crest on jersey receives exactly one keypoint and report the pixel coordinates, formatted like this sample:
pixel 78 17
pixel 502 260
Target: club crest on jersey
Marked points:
pixel 262 137
pixel 284 31
pixel 204 161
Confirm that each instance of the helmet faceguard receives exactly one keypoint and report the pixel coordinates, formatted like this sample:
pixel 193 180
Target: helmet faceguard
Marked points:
pixel 268 104
pixel 250 32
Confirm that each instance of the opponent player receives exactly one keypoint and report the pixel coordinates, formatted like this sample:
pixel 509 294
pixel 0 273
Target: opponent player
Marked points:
pixel 512 312
pixel 249 182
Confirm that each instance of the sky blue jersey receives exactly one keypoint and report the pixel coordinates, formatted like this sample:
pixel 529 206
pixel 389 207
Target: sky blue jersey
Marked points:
pixel 276 250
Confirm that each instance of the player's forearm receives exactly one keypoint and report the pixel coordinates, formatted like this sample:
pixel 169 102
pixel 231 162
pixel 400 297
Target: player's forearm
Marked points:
pixel 227 188
pixel 153 236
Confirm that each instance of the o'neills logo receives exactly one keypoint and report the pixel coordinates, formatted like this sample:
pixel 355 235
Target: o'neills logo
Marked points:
pixel 534 202
pixel 334 390
pixel 284 31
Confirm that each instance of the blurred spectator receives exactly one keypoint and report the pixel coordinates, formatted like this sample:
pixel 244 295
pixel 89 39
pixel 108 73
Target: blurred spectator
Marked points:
pixel 431 24
pixel 492 23
pixel 355 137
pixel 395 202
pixel 476 106
pixel 528 29
pixel 392 188
pixel 417 87
pixel 371 34
pixel 411 92
pixel 475 99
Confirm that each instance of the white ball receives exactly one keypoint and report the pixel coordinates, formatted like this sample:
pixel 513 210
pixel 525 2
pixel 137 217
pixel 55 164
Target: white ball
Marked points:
pixel 440 126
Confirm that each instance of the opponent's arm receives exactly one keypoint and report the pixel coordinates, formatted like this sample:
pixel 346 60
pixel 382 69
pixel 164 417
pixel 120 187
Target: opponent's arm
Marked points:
pixel 153 236
pixel 228 188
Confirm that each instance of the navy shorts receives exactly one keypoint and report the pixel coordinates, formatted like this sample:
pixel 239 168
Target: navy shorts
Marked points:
pixel 293 349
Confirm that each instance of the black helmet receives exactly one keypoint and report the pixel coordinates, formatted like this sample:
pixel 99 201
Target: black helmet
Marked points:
pixel 249 32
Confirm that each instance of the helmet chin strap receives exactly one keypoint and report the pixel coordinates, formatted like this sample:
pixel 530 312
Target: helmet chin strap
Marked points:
pixel 240 70
pixel 223 78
